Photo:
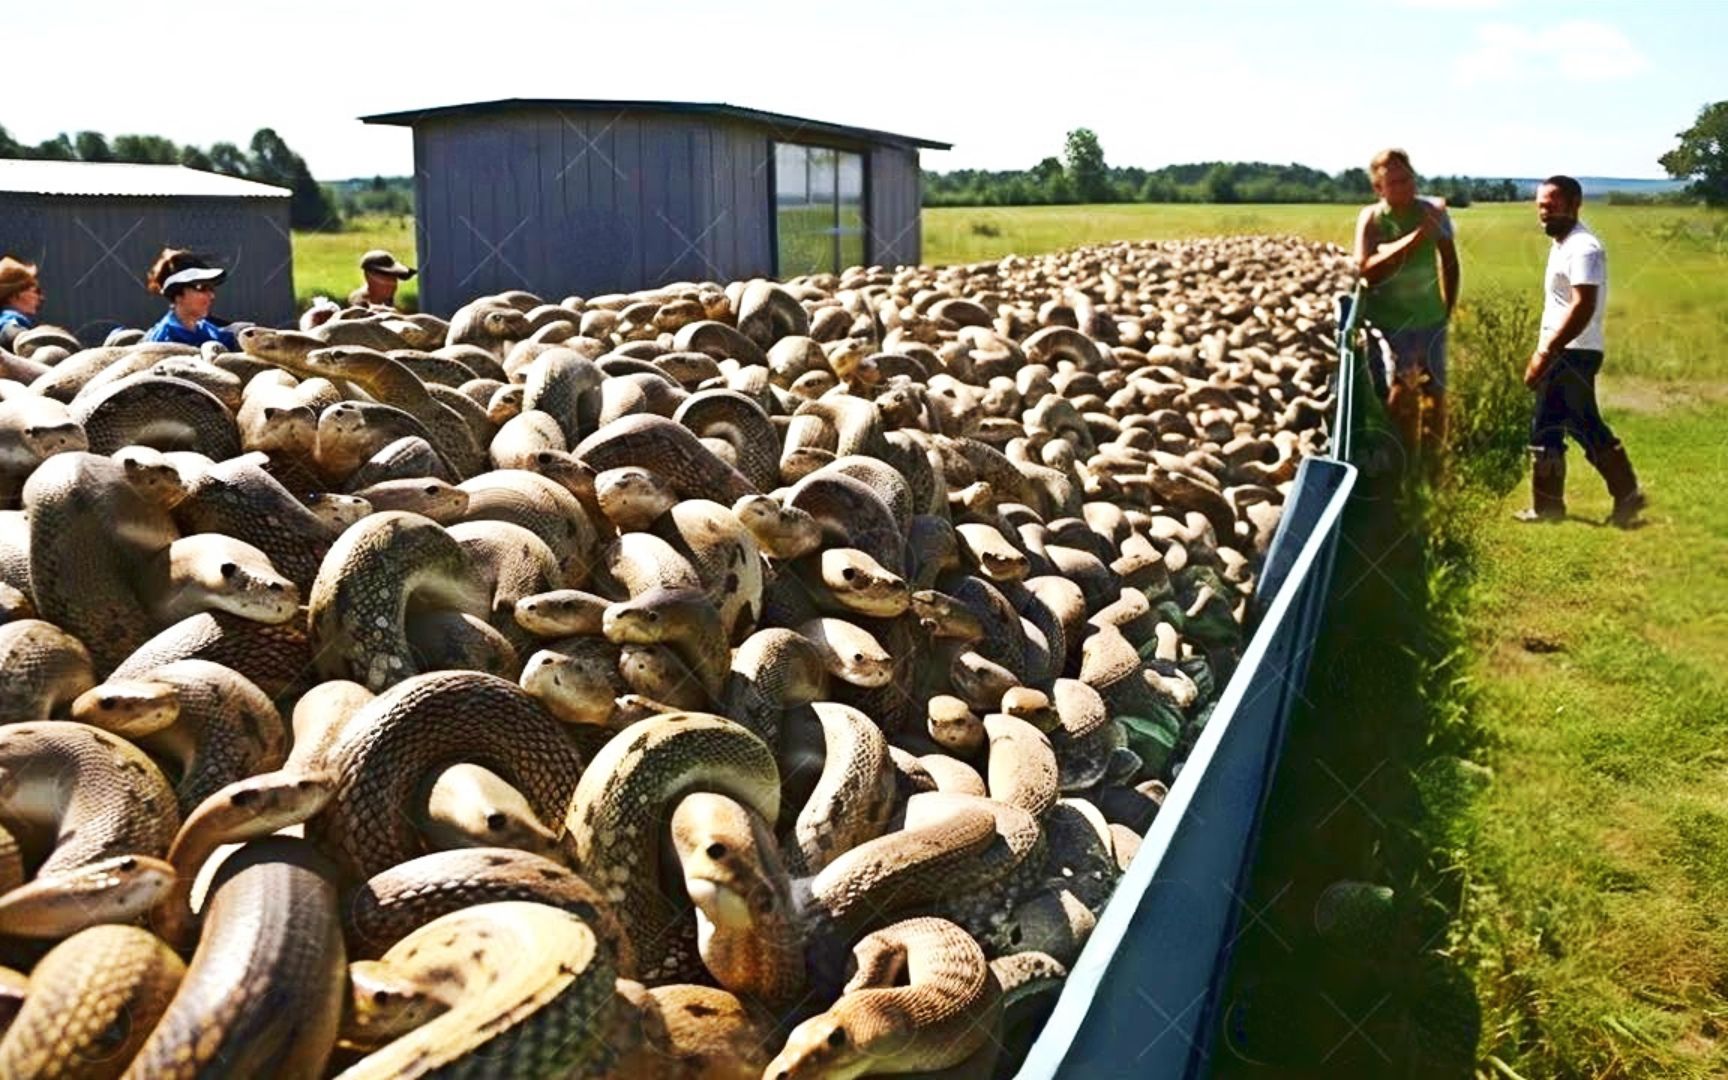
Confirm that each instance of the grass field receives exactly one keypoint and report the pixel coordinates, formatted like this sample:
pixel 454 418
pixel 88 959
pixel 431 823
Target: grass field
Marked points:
pixel 1665 297
pixel 1545 758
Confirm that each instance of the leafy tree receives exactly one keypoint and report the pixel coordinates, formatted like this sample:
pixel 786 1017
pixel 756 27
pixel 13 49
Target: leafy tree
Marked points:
pixel 146 150
pixel 9 147
pixel 1702 155
pixel 1219 184
pixel 1086 169
pixel 59 148
pixel 92 146
pixel 194 158
pixel 228 159
pixel 272 162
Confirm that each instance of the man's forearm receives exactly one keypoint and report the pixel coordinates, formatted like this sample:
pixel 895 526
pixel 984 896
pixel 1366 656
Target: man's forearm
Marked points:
pixel 1577 318
pixel 1449 278
pixel 1387 258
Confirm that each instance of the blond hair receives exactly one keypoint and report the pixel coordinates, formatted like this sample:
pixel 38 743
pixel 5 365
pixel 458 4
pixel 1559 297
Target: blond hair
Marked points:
pixel 1377 166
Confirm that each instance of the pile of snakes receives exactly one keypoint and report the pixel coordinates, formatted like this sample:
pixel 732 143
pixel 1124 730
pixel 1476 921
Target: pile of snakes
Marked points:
pixel 761 679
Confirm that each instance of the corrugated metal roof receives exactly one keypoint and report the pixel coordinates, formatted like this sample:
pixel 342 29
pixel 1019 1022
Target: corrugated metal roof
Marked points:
pixel 793 127
pixel 113 178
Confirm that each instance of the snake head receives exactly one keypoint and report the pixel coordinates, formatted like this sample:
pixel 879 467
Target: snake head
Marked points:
pixel 131 708
pixel 819 1047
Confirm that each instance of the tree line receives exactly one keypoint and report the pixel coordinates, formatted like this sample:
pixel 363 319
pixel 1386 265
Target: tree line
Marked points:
pixel 267 159
pixel 1080 175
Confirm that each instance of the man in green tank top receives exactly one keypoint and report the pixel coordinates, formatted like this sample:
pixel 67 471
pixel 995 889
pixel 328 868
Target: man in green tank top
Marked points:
pixel 1406 256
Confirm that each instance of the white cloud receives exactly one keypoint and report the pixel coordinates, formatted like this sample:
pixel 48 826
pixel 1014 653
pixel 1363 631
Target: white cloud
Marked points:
pixel 1575 51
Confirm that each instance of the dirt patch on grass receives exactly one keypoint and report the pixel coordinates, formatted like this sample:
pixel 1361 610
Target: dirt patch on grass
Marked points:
pixel 1640 395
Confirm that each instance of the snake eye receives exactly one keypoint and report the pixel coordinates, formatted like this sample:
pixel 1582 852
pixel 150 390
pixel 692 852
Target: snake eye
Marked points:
pixel 848 574
pixel 496 822
pixel 229 569
pixel 653 616
pixel 837 1038
pixel 716 851
pixel 110 703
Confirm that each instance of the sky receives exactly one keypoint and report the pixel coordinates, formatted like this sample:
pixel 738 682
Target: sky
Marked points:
pixel 1478 87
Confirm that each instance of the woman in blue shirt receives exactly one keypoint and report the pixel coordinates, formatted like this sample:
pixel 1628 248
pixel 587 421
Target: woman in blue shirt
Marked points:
pixel 20 299
pixel 190 284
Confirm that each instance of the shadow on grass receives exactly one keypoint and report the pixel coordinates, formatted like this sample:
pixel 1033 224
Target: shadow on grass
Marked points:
pixel 1342 966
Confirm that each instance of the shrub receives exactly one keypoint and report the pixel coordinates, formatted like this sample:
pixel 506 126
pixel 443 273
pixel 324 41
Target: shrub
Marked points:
pixel 1492 337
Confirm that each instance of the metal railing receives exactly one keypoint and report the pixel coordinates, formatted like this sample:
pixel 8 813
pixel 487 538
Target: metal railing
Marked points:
pixel 1142 998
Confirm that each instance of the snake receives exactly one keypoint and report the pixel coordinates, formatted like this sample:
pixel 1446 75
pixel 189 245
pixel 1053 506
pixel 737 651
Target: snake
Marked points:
pixel 93 1000
pixel 850 582
pixel 783 532
pixel 669 450
pixel 64 380
pixel 350 433
pixel 559 613
pixel 213 572
pixel 159 411
pixel 923 998
pixel 216 725
pixel 542 506
pixel 391 380
pixel 854 795
pixel 851 514
pixel 632 498
pixel 622 804
pixel 748 932
pixel 33 429
pixel 263 993
pixel 510 564
pixel 415 730
pixel 772 670
pixel 849 652
pixel 555 383
pixel 239 499
pixel 97 553
pixel 684 619
pixel 274 656
pixel 427 496
pixel 577 680
pixel 106 813
pixel 1022 766
pixel 524 435
pixel 43 669
pixel 359 601
pixel 515 988
pixel 394 902
pixel 741 423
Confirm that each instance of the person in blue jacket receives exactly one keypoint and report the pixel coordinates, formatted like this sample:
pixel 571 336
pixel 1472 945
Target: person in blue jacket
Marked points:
pixel 20 299
pixel 189 283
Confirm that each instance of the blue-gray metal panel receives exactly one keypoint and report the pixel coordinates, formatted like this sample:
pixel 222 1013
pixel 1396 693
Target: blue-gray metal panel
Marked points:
pixel 1161 938
pixel 93 253
pixel 632 203
pixel 752 177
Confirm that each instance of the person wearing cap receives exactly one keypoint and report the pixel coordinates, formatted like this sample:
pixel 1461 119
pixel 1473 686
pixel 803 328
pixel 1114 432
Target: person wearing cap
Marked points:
pixel 190 284
pixel 383 274
pixel 20 299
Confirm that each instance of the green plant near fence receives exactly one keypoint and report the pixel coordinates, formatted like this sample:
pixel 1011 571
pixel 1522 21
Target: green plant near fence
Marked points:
pixel 1490 406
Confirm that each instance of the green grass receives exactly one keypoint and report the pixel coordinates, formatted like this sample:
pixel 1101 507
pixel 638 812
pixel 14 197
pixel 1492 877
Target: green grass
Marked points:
pixel 1598 871
pixel 1666 265
pixel 328 263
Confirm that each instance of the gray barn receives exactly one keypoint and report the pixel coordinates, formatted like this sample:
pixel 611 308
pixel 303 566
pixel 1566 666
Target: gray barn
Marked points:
pixel 588 197
pixel 93 229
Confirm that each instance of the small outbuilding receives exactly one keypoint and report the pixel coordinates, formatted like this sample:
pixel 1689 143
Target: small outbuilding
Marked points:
pixel 583 197
pixel 93 228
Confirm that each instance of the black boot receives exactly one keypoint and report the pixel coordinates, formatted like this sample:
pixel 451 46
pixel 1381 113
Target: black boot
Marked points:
pixel 1616 470
pixel 1547 485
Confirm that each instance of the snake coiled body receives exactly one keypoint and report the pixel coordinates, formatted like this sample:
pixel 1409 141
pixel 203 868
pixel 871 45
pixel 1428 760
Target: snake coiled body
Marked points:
pixel 263 994
pixel 383 754
pixel 622 804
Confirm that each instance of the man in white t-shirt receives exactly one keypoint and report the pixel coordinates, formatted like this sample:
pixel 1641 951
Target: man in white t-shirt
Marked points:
pixel 1562 371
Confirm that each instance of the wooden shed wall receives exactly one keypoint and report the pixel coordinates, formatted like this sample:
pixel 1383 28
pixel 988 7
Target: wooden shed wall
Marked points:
pixel 895 188
pixel 93 252
pixel 563 202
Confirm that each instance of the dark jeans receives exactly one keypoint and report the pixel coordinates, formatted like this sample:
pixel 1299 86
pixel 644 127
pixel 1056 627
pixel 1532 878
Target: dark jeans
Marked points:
pixel 1566 404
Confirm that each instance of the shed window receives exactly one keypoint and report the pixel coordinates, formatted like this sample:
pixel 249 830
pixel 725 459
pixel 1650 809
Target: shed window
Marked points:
pixel 818 209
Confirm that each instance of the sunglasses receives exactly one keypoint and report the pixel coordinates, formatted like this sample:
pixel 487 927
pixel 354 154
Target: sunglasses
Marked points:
pixel 202 286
